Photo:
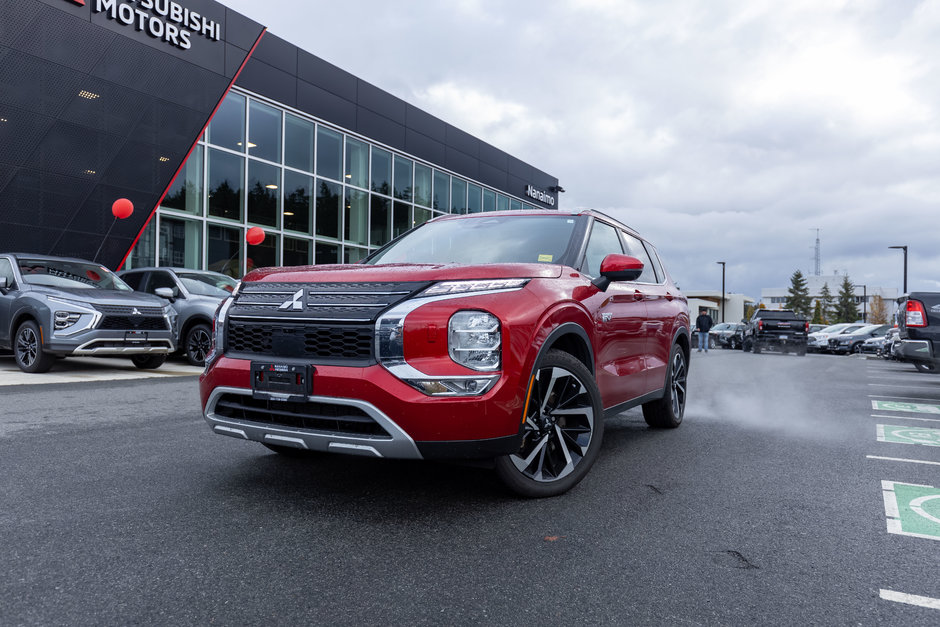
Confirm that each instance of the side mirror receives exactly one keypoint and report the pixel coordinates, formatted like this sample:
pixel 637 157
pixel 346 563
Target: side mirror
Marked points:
pixel 164 292
pixel 618 268
pixel 3 283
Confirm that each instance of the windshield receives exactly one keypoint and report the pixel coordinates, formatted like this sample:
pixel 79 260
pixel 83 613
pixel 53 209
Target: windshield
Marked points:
pixel 71 274
pixel 207 284
pixel 494 239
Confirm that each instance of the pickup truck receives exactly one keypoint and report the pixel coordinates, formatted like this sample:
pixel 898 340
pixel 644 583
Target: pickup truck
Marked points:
pixel 776 328
pixel 504 337
pixel 919 330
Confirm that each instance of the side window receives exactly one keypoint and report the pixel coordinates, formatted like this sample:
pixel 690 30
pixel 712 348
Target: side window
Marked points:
pixel 603 242
pixel 6 270
pixel 133 279
pixel 161 279
pixel 635 249
pixel 657 263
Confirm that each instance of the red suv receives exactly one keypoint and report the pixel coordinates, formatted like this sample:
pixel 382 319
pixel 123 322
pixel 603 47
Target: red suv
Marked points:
pixel 502 336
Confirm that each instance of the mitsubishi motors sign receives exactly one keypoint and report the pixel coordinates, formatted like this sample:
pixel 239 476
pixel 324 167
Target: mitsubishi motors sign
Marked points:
pixel 164 20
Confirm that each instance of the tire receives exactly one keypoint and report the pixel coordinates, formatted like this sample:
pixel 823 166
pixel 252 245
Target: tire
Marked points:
pixel 711 342
pixel 801 352
pixel 289 451
pixel 746 346
pixel 755 347
pixel 667 412
pixel 197 344
pixel 149 362
pixel 562 429
pixel 733 344
pixel 28 351
pixel 857 349
pixel 924 367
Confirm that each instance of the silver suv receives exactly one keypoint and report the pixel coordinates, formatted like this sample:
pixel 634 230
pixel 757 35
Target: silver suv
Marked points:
pixel 195 295
pixel 56 306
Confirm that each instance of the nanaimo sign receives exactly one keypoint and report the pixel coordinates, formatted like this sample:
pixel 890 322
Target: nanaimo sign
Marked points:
pixel 539 195
pixel 161 19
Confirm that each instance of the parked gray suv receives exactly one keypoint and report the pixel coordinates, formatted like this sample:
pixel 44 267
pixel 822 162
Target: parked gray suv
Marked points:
pixel 195 295
pixel 56 306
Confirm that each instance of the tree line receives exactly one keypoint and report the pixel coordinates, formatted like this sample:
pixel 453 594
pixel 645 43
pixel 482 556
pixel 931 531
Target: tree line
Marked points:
pixel 829 309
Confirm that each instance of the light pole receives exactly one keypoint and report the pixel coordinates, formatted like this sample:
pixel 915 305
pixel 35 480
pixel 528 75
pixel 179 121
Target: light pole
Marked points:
pixel 722 289
pixel 864 302
pixel 904 248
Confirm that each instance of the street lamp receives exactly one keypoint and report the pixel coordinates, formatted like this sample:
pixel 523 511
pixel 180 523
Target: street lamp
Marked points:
pixel 722 289
pixel 904 248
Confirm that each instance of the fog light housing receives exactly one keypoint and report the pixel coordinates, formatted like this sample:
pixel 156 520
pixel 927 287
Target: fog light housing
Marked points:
pixel 65 319
pixel 457 386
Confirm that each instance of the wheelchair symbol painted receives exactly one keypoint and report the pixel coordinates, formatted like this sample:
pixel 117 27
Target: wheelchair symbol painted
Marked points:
pixel 917 506
pixel 908 435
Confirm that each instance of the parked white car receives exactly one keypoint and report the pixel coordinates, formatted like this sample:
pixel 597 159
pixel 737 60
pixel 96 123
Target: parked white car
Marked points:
pixel 819 341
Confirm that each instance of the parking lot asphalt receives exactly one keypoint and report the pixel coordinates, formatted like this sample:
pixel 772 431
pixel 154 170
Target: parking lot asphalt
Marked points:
pixel 85 369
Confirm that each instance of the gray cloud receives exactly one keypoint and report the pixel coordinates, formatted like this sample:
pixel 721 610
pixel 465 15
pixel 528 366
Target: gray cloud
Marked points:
pixel 726 130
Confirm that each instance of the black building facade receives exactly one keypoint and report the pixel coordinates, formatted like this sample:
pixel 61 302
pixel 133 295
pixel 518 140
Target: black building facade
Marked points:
pixel 211 126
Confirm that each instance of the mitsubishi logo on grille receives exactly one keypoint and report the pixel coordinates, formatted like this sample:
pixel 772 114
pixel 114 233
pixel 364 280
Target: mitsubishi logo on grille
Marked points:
pixel 135 311
pixel 295 303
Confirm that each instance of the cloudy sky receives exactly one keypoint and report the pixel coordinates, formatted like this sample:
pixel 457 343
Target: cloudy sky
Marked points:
pixel 726 130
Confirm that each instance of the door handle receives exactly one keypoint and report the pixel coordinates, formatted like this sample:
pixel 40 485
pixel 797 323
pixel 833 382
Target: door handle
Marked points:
pixel 638 295
pixel 669 296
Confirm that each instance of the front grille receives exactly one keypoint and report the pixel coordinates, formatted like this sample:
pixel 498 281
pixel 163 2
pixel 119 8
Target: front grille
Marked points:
pixel 127 310
pixel 133 323
pixel 346 343
pixel 316 416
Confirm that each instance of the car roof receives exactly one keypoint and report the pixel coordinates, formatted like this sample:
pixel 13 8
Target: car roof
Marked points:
pixel 540 212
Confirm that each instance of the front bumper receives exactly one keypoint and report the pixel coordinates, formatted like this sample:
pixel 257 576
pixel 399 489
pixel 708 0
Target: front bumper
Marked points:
pixel 102 343
pixel 363 411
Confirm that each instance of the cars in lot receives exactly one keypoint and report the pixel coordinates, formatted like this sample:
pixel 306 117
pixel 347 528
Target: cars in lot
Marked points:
pixel 919 330
pixel 845 343
pixel 727 335
pixel 887 349
pixel 819 341
pixel 504 337
pixel 194 295
pixel 57 306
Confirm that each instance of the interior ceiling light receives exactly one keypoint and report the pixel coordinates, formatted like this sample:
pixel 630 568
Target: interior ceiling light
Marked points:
pixel 250 144
pixel 164 159
pixel 271 186
pixel 288 213
pixel 90 172
pixel 89 95
pixel 4 120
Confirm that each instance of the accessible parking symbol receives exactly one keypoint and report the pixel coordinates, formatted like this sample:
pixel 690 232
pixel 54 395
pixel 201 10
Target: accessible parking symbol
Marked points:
pixel 912 510
pixel 917 408
pixel 908 435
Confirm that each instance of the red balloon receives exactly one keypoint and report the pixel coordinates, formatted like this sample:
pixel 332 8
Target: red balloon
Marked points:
pixel 255 235
pixel 122 208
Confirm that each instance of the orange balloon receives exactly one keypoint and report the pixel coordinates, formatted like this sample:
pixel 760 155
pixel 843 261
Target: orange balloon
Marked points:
pixel 255 235
pixel 122 208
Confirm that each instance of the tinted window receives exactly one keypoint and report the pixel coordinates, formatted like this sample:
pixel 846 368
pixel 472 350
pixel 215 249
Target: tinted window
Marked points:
pixel 207 284
pixel 604 241
pixel 507 240
pixel 264 131
pixel 131 278
pixel 635 249
pixel 228 124
pixel 6 270
pixel 381 171
pixel 329 153
pixel 298 143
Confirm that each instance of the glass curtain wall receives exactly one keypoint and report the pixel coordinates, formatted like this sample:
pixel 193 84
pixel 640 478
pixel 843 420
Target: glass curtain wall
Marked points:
pixel 322 196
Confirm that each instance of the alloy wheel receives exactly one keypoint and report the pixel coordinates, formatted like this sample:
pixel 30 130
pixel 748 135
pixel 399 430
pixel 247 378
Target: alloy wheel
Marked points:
pixel 198 345
pixel 558 428
pixel 678 379
pixel 27 346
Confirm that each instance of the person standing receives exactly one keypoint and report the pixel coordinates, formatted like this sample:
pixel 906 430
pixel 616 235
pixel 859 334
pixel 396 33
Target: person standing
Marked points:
pixel 703 323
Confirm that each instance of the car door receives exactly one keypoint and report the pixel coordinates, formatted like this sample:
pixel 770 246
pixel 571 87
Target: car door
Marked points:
pixel 619 319
pixel 6 300
pixel 662 308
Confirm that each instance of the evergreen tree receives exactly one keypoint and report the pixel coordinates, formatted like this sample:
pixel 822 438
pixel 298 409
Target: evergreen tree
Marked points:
pixel 846 307
pixel 825 296
pixel 817 314
pixel 798 299
pixel 877 312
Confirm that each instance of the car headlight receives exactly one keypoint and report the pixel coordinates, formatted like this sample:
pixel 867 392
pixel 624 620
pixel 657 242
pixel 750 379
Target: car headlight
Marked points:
pixel 474 340
pixel 218 331
pixel 67 313
pixel 465 287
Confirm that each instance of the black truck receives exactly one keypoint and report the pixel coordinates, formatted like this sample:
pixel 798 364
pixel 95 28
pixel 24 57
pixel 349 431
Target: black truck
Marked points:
pixel 781 329
pixel 919 330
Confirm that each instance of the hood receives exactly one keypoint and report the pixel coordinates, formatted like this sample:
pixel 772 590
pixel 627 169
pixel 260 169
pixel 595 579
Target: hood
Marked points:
pixel 94 296
pixel 404 272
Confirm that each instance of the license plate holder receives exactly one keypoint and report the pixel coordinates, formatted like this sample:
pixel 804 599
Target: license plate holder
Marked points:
pixel 135 337
pixel 283 382
pixel 784 337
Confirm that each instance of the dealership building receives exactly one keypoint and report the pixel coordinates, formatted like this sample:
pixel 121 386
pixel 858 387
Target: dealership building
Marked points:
pixel 210 126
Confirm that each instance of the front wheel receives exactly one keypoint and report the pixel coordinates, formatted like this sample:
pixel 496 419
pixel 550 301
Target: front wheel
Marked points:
pixel 733 343
pixel 667 412
pixel 28 351
pixel 924 367
pixel 562 429
pixel 198 343
pixel 755 347
pixel 148 362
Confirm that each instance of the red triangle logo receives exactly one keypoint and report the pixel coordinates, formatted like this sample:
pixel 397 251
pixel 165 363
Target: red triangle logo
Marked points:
pixel 79 2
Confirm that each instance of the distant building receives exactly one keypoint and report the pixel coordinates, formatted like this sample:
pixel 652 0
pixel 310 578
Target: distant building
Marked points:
pixel 776 297
pixel 735 304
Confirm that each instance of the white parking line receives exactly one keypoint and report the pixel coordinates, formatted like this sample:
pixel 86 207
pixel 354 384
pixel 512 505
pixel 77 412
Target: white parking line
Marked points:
pixel 906 418
pixel 904 398
pixel 910 599
pixel 894 385
pixel 901 459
